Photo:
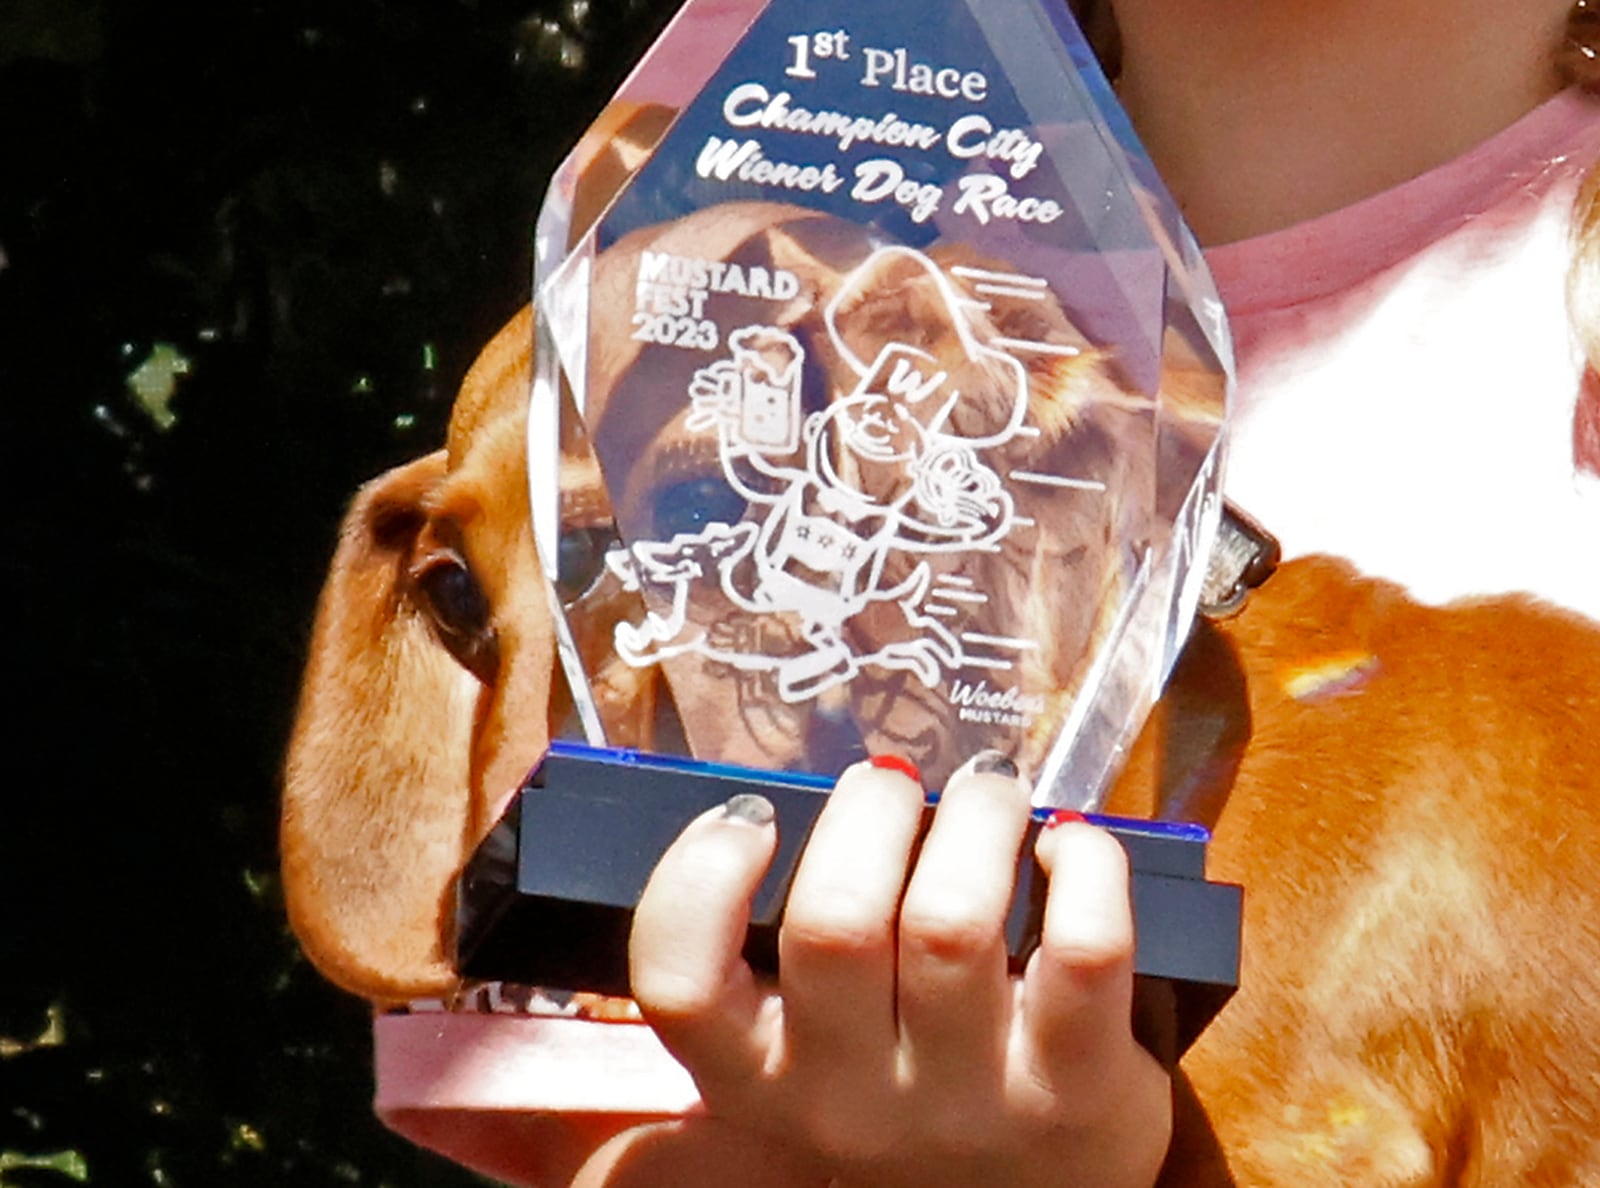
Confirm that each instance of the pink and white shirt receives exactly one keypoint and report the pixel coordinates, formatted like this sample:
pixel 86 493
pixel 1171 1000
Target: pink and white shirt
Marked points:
pixel 1407 374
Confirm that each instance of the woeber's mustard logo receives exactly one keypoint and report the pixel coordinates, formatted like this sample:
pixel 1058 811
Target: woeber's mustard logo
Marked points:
pixel 997 707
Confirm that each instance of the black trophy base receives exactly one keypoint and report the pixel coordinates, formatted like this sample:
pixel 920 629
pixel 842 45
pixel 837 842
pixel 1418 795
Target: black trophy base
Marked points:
pixel 548 898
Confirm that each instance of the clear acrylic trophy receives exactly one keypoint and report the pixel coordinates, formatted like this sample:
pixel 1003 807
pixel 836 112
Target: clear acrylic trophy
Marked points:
pixel 879 407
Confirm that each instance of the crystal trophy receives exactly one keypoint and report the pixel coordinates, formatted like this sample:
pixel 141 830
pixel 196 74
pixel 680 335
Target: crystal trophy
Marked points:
pixel 878 409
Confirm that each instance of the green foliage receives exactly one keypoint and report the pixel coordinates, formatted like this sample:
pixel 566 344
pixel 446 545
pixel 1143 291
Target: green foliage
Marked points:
pixel 323 210
pixel 66 1163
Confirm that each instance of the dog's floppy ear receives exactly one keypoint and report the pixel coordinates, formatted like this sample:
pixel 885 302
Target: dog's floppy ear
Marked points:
pixel 375 792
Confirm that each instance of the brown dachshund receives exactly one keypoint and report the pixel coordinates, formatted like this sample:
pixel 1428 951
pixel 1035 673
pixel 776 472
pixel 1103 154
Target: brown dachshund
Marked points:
pixel 1410 796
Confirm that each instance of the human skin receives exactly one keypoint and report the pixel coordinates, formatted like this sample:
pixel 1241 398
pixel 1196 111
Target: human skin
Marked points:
pixel 1260 115
pixel 896 1050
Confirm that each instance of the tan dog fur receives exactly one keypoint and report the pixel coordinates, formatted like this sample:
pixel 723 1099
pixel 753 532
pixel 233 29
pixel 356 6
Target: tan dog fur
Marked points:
pixel 1420 987
pixel 400 758
pixel 1408 795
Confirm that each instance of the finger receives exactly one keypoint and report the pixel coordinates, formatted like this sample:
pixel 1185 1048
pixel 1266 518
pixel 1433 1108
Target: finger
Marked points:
pixel 954 994
pixel 1078 987
pixel 684 955
pixel 698 1152
pixel 837 943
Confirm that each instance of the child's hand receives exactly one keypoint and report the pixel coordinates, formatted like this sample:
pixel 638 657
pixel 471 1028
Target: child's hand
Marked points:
pixel 895 1049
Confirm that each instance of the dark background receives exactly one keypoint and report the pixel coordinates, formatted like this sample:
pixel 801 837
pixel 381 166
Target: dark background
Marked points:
pixel 316 211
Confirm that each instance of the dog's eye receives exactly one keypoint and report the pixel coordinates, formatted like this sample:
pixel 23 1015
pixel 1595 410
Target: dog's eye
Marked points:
pixel 688 506
pixel 580 557
pixel 460 614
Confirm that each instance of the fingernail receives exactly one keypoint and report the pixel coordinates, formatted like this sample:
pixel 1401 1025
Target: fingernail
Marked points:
pixel 994 763
pixel 988 763
pixel 1062 816
pixel 894 763
pixel 749 807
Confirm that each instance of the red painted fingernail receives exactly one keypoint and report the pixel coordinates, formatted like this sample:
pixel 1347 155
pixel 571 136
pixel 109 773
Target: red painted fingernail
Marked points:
pixel 1062 816
pixel 894 763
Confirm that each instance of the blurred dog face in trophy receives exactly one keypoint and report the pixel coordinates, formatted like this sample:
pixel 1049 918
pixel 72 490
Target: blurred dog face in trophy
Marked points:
pixel 799 562
pixel 1405 792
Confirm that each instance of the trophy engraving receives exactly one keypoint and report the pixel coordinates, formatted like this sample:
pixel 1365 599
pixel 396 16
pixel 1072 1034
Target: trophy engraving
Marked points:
pixel 881 474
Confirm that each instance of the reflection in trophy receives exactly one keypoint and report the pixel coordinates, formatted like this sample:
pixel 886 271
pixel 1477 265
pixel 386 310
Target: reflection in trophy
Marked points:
pixel 883 475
